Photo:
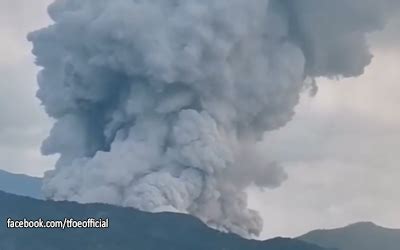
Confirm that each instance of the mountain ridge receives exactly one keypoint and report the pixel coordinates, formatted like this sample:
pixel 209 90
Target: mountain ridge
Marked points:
pixel 21 184
pixel 356 236
pixel 22 194
pixel 129 229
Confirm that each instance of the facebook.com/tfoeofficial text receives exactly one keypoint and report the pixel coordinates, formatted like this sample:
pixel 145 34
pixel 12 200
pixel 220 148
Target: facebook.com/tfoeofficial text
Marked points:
pixel 66 223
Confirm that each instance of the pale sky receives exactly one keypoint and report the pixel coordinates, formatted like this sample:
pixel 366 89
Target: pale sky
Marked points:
pixel 342 153
pixel 342 150
pixel 23 123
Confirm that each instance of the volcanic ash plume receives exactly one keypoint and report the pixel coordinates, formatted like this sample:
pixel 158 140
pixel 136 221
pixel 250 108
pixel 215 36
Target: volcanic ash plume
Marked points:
pixel 159 103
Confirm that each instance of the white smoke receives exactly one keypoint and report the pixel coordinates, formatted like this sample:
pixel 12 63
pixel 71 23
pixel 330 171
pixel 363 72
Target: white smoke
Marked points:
pixel 159 103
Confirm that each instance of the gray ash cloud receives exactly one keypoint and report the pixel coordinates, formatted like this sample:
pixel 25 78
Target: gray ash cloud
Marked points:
pixel 159 104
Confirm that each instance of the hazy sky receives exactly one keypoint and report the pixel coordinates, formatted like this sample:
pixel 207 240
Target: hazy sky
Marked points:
pixel 341 151
pixel 23 124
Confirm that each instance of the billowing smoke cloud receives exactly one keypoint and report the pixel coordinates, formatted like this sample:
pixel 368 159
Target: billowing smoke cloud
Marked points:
pixel 159 103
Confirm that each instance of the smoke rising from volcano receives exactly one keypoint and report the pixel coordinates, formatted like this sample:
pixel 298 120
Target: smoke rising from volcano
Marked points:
pixel 159 103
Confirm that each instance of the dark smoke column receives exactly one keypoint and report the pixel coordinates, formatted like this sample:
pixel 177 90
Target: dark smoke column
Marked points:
pixel 158 103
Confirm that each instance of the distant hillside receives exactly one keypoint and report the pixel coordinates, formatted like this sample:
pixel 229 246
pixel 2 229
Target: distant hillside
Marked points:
pixel 360 236
pixel 129 229
pixel 19 184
